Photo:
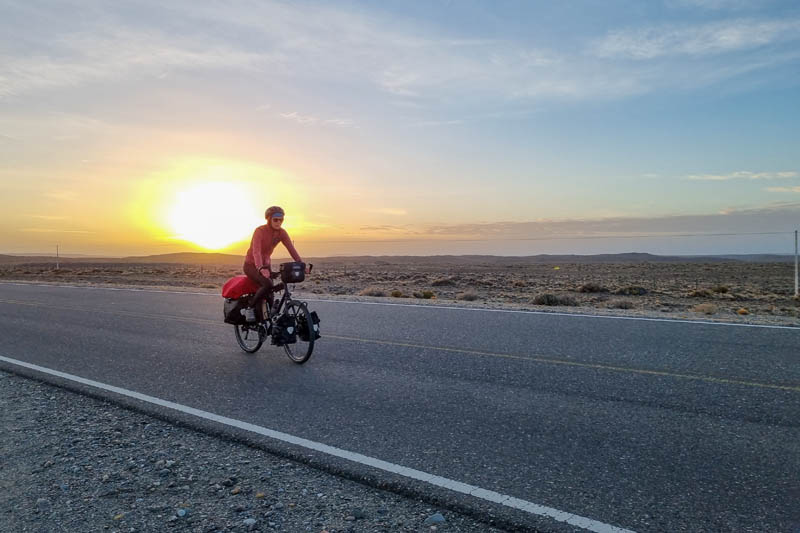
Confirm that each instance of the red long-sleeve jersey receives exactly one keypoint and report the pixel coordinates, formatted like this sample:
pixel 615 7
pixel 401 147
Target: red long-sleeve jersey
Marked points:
pixel 263 243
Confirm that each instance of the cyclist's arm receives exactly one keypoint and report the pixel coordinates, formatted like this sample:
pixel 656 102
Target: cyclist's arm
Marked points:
pixel 287 242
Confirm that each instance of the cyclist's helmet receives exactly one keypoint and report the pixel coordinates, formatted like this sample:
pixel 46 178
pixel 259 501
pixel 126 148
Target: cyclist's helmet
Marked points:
pixel 273 211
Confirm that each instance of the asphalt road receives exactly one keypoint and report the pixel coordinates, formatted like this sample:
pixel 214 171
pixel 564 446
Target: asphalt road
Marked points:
pixel 644 425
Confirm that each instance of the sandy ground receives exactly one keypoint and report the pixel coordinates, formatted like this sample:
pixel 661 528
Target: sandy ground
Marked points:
pixel 731 291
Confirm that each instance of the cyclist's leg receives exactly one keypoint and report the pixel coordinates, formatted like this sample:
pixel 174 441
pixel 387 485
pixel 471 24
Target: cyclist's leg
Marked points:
pixel 265 289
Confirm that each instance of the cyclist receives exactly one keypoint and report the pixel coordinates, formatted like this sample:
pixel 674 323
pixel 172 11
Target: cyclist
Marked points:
pixel 257 262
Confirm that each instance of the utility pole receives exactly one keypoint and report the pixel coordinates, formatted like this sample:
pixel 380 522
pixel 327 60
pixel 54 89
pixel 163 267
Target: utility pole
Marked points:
pixel 796 291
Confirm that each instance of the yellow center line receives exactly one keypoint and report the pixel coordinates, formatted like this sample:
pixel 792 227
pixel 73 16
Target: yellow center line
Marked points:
pixel 535 359
pixel 552 361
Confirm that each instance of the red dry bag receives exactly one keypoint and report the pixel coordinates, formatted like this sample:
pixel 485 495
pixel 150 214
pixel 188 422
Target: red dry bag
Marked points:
pixel 238 286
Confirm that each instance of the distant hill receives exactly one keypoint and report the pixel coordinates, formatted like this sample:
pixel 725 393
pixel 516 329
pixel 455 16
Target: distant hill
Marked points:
pixel 192 258
pixel 199 258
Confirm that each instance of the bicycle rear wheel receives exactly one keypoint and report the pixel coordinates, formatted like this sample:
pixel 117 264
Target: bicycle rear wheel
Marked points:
pixel 299 351
pixel 250 336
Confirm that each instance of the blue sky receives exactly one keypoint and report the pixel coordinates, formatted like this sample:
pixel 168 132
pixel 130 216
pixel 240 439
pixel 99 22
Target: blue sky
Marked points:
pixel 444 126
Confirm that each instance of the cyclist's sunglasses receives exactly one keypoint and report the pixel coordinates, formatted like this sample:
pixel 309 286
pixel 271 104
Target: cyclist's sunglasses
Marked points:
pixel 278 219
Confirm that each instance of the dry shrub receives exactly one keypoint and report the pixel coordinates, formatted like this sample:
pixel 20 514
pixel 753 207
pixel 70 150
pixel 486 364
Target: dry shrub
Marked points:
pixel 721 289
pixel 425 295
pixel 592 287
pixel 620 304
pixel 520 283
pixel 372 291
pixel 397 293
pixel 742 311
pixel 443 282
pixel 554 299
pixel 467 296
pixel 631 290
pixel 700 293
pixel 706 309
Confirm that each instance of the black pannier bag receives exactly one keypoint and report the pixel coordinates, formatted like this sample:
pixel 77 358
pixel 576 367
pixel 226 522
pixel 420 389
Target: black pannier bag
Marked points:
pixel 302 327
pixel 293 272
pixel 285 331
pixel 233 309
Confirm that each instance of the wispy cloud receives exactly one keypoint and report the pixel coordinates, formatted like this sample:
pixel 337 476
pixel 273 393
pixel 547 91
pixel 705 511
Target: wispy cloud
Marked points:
pixel 744 175
pixel 61 195
pixel 783 189
pixel 389 211
pixel 707 39
pixel 389 57
pixel 294 116
pixel 116 54
pixel 716 5
pixel 431 123
pixel 48 217
pixel 53 230
pixel 767 218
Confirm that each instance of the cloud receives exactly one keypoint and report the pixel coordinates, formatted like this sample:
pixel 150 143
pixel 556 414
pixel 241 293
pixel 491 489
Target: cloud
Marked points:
pixel 53 230
pixel 389 211
pixel 783 189
pixel 61 195
pixel 309 119
pixel 743 220
pixel 708 39
pixel 48 217
pixel 341 122
pixel 744 175
pixel 110 53
pixel 716 5
pixel 433 123
pixel 416 64
pixel 300 119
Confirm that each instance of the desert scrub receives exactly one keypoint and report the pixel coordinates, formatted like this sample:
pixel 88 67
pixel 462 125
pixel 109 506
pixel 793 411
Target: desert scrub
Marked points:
pixel 700 293
pixel 721 289
pixel 443 282
pixel 742 311
pixel 467 296
pixel 620 304
pixel 706 309
pixel 554 299
pixel 372 291
pixel 631 290
pixel 397 293
pixel 592 287
pixel 425 295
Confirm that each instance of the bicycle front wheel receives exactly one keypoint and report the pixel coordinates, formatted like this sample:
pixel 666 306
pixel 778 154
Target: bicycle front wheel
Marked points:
pixel 299 351
pixel 250 337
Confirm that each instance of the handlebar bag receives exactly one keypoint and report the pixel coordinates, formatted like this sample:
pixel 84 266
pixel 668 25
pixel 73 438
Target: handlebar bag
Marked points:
pixel 293 272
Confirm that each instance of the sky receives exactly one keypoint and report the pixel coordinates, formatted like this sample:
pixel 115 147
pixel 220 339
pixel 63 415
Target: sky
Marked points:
pixel 400 127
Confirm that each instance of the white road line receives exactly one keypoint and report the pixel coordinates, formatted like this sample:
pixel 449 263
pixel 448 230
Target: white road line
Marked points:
pixel 455 486
pixel 449 307
pixel 555 313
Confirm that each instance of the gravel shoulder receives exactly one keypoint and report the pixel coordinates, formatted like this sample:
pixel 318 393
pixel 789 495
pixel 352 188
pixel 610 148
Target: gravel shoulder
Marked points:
pixel 70 462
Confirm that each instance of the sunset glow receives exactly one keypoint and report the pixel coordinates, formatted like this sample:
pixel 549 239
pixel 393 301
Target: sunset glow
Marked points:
pixel 402 127
pixel 213 215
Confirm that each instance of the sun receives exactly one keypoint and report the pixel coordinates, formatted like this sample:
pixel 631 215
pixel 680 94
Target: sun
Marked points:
pixel 213 215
